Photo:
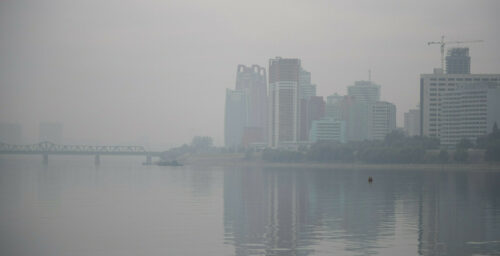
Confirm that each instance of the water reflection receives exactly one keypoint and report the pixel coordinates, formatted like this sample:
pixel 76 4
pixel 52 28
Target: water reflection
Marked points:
pixel 320 212
pixel 70 207
pixel 459 214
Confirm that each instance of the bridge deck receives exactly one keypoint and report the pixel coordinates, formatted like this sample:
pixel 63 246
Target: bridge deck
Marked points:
pixel 48 148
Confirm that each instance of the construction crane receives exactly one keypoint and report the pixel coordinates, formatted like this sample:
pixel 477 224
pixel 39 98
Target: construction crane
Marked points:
pixel 443 44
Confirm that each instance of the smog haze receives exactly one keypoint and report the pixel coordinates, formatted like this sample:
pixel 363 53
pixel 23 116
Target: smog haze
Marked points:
pixel 155 72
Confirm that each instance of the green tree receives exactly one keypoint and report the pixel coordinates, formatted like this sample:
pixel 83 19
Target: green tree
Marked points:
pixel 461 155
pixel 201 143
pixel 493 152
pixel 464 144
pixel 443 156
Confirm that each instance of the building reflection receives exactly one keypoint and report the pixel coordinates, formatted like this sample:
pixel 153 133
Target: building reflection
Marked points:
pixel 305 212
pixel 457 214
pixel 289 212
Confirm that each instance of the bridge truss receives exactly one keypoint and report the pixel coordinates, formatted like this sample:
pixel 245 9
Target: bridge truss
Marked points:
pixel 49 148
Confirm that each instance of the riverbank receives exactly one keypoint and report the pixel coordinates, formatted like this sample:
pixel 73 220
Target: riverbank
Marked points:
pixel 238 160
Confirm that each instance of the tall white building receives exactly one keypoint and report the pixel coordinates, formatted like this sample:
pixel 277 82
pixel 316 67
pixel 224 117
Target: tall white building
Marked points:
pixel 412 122
pixel 469 111
pixel 283 101
pixel 284 112
pixel 383 119
pixel 436 93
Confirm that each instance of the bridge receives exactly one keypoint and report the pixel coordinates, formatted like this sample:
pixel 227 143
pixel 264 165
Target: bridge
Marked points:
pixel 46 148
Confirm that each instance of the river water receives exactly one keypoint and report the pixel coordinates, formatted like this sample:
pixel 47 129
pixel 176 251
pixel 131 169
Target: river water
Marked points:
pixel 71 207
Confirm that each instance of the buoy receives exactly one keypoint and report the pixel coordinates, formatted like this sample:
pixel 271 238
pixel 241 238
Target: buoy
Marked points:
pixel 370 179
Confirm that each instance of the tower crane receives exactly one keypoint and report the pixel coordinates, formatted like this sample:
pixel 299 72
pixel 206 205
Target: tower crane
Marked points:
pixel 443 44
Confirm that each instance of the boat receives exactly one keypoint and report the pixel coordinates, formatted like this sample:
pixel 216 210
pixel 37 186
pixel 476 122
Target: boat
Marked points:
pixel 168 163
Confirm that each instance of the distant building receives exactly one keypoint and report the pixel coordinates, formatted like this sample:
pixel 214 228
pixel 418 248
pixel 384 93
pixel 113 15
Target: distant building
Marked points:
pixel 11 133
pixel 383 119
pixel 356 115
pixel 315 110
pixel 437 93
pixel 302 125
pixel 235 117
pixel 469 111
pixel 458 61
pixel 283 101
pixel 364 91
pixel 306 89
pixel 51 132
pixel 412 122
pixel 328 129
pixel 332 108
pixel 246 108
pixel 252 80
pixel 306 92
pixel 252 135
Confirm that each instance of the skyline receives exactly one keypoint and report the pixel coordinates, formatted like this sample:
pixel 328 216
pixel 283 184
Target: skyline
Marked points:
pixel 107 71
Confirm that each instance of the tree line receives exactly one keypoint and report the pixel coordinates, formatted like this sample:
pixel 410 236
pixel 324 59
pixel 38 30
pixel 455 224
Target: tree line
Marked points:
pixel 395 148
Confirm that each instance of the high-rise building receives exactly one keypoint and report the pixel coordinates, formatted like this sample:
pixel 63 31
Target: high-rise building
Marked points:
pixel 383 119
pixel 412 122
pixel 51 132
pixel 458 61
pixel 246 108
pixel 235 117
pixel 364 91
pixel 10 133
pixel 315 109
pixel 469 111
pixel 332 108
pixel 252 80
pixel 328 129
pixel 306 92
pixel 283 101
pixel 355 113
pixel 435 89
pixel 365 115
pixel 306 89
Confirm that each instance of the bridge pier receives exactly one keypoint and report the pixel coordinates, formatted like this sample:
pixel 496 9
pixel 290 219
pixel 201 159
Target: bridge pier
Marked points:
pixel 97 160
pixel 45 158
pixel 149 160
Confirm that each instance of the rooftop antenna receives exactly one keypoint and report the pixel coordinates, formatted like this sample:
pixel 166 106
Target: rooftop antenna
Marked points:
pixel 369 75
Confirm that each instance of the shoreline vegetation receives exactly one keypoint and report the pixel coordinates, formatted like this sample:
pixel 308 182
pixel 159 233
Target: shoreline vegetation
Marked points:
pixel 395 151
pixel 239 161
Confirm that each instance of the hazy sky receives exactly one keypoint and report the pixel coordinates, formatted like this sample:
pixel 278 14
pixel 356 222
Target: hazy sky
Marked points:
pixel 130 71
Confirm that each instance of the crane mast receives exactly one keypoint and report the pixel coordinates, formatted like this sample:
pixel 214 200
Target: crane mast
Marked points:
pixel 443 43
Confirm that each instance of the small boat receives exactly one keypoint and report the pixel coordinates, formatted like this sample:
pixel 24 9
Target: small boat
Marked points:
pixel 168 163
